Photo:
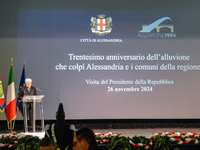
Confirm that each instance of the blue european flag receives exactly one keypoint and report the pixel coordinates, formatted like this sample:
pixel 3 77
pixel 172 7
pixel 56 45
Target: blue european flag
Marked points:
pixel 22 83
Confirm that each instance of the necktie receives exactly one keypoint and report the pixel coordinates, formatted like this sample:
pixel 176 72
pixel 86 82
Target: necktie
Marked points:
pixel 29 90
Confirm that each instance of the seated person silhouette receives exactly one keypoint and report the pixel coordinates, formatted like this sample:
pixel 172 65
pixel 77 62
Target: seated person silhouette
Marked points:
pixel 61 133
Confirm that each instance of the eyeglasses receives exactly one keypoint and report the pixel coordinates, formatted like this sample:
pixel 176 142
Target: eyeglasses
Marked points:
pixel 74 143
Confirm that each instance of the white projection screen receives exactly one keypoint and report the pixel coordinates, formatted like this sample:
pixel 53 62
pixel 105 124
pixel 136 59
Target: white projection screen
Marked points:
pixel 113 64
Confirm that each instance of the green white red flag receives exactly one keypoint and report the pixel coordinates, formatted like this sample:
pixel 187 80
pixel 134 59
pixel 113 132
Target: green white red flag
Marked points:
pixel 2 100
pixel 11 99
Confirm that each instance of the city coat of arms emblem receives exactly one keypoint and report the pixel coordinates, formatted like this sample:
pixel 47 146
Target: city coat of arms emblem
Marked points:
pixel 101 25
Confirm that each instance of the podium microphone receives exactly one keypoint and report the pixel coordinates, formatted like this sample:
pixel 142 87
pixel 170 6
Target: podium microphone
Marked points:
pixel 39 90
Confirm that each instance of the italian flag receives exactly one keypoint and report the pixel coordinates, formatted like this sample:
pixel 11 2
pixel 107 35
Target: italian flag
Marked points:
pixel 2 100
pixel 11 100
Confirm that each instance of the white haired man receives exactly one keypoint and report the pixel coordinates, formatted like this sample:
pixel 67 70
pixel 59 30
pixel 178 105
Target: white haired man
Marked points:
pixel 28 89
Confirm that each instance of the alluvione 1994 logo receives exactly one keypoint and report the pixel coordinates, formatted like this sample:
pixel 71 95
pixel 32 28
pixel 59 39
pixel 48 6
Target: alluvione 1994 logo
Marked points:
pixel 101 25
pixel 146 31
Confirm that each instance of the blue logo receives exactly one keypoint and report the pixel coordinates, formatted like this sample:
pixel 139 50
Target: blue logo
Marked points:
pixel 146 29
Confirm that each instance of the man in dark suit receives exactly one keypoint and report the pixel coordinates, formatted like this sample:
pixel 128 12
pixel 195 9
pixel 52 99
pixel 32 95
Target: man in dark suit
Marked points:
pixel 28 89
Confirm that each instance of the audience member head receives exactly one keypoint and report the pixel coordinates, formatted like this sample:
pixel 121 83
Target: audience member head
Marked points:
pixel 46 144
pixel 84 139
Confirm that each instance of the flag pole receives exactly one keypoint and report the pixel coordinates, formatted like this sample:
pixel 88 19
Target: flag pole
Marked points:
pixel 11 61
pixel 11 121
pixel 11 125
pixel 23 105
pixel 24 62
pixel 20 104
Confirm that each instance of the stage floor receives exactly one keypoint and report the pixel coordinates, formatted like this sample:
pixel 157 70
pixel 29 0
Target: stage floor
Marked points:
pixel 129 132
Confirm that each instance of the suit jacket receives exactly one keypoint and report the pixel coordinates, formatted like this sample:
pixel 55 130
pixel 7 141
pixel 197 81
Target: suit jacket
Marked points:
pixel 24 91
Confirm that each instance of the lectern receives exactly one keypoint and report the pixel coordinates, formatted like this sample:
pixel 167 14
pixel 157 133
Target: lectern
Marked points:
pixel 34 99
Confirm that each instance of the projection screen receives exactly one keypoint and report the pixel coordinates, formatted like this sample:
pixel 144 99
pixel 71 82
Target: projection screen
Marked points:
pixel 112 64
